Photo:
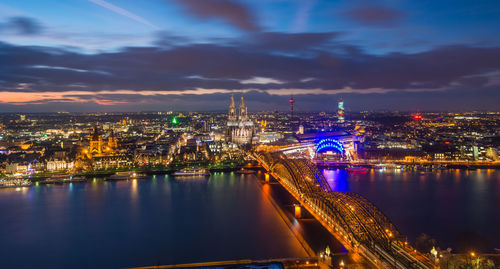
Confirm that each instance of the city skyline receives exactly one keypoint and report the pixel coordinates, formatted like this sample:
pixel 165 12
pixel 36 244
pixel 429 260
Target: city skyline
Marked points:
pixel 250 134
pixel 116 56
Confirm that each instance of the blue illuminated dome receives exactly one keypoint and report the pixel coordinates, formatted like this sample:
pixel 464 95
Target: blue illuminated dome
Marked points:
pixel 329 144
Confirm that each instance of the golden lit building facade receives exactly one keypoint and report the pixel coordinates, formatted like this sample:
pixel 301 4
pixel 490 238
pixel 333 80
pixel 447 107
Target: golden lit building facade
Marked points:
pixel 101 153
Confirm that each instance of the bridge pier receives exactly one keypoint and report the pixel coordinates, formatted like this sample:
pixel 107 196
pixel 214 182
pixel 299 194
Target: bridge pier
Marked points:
pixel 298 211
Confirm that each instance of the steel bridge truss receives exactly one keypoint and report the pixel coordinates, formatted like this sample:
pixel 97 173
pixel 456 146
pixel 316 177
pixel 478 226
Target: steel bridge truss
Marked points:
pixel 354 218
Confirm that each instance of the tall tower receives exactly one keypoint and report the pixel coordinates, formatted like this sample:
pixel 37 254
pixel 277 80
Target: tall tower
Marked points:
pixel 232 110
pixel 112 143
pixel 340 110
pixel 95 142
pixel 243 115
pixel 232 119
pixel 291 106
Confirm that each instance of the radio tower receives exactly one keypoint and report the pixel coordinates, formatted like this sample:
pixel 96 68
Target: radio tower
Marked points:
pixel 291 106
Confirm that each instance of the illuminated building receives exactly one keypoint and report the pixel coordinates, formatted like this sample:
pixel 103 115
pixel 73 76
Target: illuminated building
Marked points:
pixel 97 147
pixel 240 128
pixel 340 110
pixel 301 129
pixel 59 165
pixel 100 153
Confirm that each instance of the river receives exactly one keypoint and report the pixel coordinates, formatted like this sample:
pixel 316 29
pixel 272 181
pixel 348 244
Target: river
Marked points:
pixel 159 220
pixel 458 208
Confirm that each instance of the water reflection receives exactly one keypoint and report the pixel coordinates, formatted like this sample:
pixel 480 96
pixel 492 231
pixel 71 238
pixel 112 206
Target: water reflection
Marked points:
pixel 134 189
pixel 442 204
pixel 337 179
pixel 141 222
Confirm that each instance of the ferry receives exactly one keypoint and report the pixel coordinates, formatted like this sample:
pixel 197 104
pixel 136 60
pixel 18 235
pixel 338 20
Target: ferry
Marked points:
pixel 192 172
pixel 15 183
pixel 357 169
pixel 126 175
pixel 62 180
pixel 245 171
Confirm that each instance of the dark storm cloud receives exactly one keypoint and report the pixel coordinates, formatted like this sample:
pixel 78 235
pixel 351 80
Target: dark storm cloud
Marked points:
pixel 234 13
pixel 375 15
pixel 21 26
pixel 308 63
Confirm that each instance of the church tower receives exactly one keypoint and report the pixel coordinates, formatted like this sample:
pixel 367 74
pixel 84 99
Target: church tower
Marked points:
pixel 112 143
pixel 95 142
pixel 232 110
pixel 240 128
pixel 242 110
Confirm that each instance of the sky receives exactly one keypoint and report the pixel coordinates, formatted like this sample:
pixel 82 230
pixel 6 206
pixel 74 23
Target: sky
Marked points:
pixel 189 55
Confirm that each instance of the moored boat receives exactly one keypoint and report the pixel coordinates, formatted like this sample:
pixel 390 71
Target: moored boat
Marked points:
pixel 14 183
pixel 245 171
pixel 192 172
pixel 126 175
pixel 357 169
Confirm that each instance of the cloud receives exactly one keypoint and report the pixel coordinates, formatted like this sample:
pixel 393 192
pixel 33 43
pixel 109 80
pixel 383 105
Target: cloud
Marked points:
pixel 21 26
pixel 230 11
pixel 138 75
pixel 261 80
pixel 375 15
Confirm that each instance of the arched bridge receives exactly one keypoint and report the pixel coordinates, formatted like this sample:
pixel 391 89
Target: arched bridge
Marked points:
pixel 358 224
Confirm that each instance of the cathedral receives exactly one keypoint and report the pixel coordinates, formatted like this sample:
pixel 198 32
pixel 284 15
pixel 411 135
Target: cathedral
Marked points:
pixel 97 147
pixel 240 128
pixel 100 153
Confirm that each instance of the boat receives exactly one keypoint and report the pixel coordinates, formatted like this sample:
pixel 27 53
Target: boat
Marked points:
pixel 61 179
pixel 379 166
pixel 245 171
pixel 78 178
pixel 387 166
pixel 191 172
pixel 357 169
pixel 14 183
pixel 126 175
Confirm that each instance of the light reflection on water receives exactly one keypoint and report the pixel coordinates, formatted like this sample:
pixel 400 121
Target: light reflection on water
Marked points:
pixel 133 223
pixel 449 204
pixel 337 179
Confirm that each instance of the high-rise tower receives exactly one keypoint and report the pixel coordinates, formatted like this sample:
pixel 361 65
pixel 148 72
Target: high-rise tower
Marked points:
pixel 340 110
pixel 291 106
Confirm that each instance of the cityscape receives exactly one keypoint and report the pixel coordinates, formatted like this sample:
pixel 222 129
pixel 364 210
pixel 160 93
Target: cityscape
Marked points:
pixel 223 138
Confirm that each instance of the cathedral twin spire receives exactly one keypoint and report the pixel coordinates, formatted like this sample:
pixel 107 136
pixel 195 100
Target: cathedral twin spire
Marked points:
pixel 232 110
pixel 242 110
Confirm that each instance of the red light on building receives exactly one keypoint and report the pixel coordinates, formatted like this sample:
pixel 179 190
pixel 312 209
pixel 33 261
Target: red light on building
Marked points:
pixel 417 117
pixel 446 142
